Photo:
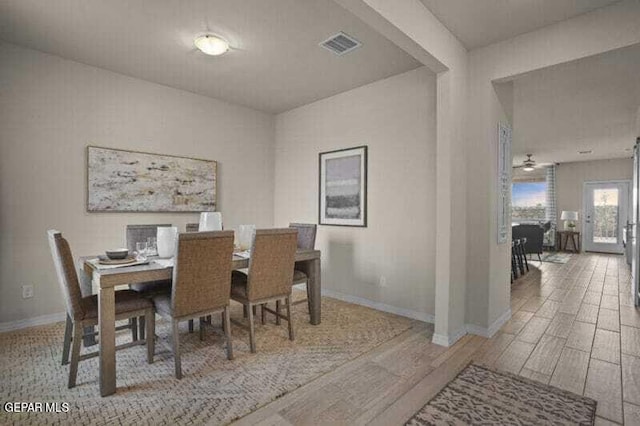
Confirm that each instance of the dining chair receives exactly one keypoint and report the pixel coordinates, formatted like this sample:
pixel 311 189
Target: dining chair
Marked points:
pixel 306 241
pixel 192 227
pixel 83 311
pixel 140 233
pixel 210 221
pixel 201 285
pixel 269 277
pixel 136 234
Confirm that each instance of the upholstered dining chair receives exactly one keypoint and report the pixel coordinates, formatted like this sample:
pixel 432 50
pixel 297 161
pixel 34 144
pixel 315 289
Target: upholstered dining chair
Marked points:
pixel 140 233
pixel 201 285
pixel 269 277
pixel 137 234
pixel 83 311
pixel 306 241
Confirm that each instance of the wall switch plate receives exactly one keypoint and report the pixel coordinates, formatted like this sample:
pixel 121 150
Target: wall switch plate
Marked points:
pixel 27 291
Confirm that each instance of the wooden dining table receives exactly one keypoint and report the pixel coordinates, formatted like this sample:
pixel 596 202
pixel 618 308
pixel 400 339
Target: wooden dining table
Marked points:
pixel 106 280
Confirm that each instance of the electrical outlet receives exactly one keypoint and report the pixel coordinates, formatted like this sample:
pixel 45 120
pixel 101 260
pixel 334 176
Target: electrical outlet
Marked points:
pixel 27 291
pixel 383 281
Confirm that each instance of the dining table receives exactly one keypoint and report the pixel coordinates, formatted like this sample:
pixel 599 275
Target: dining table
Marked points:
pixel 105 282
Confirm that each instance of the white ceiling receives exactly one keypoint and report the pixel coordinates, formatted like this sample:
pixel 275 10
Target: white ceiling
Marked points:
pixel 478 23
pixel 589 104
pixel 276 63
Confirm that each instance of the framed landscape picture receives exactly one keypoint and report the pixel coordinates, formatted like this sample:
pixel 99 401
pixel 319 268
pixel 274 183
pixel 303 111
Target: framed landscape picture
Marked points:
pixel 131 181
pixel 343 187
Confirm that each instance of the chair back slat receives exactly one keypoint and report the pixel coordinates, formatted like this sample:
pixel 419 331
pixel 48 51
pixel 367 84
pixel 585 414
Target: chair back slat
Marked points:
pixel 306 235
pixel 192 227
pixel 202 272
pixel 66 274
pixel 271 264
pixel 140 233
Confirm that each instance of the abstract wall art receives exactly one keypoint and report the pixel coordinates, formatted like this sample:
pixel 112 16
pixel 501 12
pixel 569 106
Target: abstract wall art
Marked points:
pixel 131 181
pixel 343 187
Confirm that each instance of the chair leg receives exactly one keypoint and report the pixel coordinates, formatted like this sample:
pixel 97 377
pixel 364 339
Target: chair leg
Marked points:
pixel 227 332
pixel 245 311
pixel 66 345
pixel 150 325
pixel 201 327
pixel 223 322
pixel 278 311
pixel 539 258
pixel 289 319
pixel 142 333
pixel 252 331
pixel 263 317
pixel 176 350
pixel 133 322
pixel 190 326
pixel 75 354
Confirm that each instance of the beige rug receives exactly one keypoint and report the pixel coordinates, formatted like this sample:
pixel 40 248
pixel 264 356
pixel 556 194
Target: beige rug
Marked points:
pixel 482 396
pixel 213 390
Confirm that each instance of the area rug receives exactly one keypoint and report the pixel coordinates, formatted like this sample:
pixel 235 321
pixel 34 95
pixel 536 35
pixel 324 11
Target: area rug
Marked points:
pixel 555 257
pixel 213 390
pixel 482 396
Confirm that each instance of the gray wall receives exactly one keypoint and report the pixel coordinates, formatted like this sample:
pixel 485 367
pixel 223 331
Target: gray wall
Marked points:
pixel 396 119
pixel 51 109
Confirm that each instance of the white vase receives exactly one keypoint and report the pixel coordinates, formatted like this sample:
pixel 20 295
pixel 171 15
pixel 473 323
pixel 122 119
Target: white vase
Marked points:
pixel 245 236
pixel 210 221
pixel 167 238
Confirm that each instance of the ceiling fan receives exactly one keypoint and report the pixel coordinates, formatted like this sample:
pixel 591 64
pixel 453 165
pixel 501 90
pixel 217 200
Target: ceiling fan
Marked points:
pixel 529 164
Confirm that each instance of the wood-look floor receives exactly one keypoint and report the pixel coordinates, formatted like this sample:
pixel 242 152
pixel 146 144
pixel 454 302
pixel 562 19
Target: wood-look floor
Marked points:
pixel 574 326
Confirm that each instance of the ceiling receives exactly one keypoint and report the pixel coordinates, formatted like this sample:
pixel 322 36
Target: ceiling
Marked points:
pixel 275 65
pixel 589 104
pixel 478 23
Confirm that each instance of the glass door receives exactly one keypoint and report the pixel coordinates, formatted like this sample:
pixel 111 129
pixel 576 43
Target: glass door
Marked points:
pixel 605 216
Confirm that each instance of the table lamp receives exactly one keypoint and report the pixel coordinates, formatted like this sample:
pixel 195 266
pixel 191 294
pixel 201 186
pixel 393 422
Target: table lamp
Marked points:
pixel 569 218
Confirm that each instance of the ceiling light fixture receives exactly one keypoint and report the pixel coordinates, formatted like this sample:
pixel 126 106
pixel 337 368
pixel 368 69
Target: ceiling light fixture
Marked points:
pixel 589 151
pixel 211 44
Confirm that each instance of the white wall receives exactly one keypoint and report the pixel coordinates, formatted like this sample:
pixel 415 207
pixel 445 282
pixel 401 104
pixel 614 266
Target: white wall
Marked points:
pixel 571 177
pixel 413 27
pixel 396 119
pixel 585 35
pixel 51 109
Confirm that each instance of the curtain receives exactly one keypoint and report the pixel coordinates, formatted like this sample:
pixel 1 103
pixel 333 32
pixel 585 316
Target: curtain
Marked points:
pixel 551 211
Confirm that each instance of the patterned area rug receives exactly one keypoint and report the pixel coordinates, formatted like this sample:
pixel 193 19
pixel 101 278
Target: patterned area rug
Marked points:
pixel 482 396
pixel 213 390
pixel 555 257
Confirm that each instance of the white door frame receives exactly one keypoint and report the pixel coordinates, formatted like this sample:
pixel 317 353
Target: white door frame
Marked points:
pixel 622 218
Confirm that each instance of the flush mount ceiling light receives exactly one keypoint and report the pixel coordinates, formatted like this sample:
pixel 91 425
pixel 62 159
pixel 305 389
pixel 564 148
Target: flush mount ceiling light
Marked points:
pixel 211 44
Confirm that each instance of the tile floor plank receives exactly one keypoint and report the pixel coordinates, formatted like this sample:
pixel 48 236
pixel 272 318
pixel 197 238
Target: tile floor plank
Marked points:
pixel 605 386
pixel 571 372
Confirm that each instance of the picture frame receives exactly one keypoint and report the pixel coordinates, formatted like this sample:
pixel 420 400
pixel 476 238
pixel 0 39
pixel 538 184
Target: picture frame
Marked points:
pixel 134 181
pixel 342 188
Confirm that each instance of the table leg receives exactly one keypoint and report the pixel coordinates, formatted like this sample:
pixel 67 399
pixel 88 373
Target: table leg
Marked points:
pixel 107 325
pixel 314 282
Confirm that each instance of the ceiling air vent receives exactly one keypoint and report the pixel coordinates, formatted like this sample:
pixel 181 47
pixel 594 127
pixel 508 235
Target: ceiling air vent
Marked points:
pixel 341 43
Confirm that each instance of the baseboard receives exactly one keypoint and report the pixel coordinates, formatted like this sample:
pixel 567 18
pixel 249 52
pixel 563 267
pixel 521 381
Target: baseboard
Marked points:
pixel 492 329
pixel 448 339
pixel 32 322
pixel 409 313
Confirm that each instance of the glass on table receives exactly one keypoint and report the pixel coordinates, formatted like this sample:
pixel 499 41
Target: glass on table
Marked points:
pixel 141 251
pixel 152 246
